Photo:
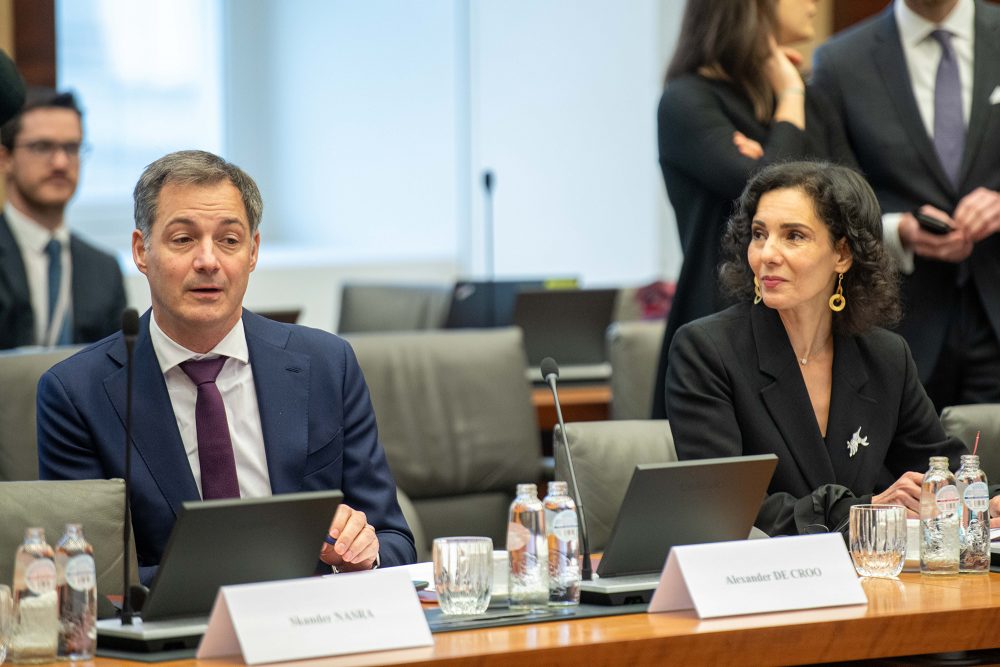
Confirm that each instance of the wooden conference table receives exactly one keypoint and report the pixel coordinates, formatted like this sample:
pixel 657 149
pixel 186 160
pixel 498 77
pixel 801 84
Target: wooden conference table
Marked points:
pixel 580 403
pixel 914 615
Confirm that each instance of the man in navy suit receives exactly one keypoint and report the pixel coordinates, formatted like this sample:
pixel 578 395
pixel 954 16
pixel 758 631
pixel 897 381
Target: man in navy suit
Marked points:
pixel 918 89
pixel 281 408
pixel 54 287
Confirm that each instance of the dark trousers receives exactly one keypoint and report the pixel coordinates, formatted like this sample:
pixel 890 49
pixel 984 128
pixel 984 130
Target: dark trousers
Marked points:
pixel 968 369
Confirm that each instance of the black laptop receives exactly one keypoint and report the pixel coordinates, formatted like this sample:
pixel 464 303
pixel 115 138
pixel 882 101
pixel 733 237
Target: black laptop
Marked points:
pixel 483 304
pixel 668 504
pixel 570 326
pixel 221 543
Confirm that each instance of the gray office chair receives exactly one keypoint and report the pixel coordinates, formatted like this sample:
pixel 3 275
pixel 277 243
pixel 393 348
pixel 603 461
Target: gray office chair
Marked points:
pixel 633 350
pixel 96 504
pixel 376 308
pixel 604 456
pixel 415 524
pixel 455 416
pixel 19 373
pixel 963 421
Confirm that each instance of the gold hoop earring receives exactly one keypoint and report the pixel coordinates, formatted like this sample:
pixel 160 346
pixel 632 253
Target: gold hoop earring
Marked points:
pixel 837 301
pixel 757 297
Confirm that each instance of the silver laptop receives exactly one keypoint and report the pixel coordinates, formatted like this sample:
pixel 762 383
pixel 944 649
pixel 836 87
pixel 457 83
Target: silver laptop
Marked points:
pixel 221 543
pixel 570 326
pixel 667 504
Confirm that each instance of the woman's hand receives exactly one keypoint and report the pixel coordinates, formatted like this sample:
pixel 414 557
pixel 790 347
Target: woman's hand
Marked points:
pixel 786 82
pixel 782 70
pixel 904 491
pixel 747 146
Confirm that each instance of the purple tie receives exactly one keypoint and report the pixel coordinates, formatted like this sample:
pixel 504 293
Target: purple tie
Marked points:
pixel 215 449
pixel 949 123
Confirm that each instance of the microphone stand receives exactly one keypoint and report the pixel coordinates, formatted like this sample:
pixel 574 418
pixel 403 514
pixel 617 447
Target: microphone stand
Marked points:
pixel 489 251
pixel 586 574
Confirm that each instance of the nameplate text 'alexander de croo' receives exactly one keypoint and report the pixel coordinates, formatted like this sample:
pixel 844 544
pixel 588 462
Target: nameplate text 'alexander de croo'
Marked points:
pixel 756 576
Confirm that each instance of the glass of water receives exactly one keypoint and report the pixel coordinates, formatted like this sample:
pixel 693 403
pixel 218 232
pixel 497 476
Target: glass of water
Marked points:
pixel 6 620
pixel 878 539
pixel 463 574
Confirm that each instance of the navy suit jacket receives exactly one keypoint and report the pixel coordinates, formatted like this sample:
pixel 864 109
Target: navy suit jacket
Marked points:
pixel 97 290
pixel 317 420
pixel 863 72
pixel 734 388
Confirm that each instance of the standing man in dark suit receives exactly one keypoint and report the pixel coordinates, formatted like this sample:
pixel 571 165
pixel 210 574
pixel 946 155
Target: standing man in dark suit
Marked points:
pixel 229 404
pixel 918 89
pixel 55 289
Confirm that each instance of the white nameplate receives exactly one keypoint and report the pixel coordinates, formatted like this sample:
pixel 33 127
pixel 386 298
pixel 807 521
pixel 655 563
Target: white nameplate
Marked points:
pixel 755 576
pixel 316 617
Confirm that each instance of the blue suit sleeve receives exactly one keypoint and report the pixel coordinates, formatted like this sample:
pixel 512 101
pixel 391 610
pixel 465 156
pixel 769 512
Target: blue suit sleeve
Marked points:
pixel 368 482
pixel 65 449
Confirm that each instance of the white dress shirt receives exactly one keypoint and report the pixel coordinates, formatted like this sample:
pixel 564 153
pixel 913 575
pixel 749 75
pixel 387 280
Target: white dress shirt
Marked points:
pixel 31 239
pixel 239 394
pixel 923 53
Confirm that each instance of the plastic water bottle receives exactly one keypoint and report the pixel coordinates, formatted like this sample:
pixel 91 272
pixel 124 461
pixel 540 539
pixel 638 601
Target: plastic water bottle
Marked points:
pixel 974 524
pixel 939 510
pixel 76 578
pixel 36 626
pixel 563 537
pixel 528 584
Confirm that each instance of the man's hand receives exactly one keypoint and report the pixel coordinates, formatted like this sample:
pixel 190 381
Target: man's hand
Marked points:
pixel 952 247
pixel 978 214
pixel 904 491
pixel 356 543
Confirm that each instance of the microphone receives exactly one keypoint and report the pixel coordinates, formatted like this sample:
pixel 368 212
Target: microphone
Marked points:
pixel 550 373
pixel 130 329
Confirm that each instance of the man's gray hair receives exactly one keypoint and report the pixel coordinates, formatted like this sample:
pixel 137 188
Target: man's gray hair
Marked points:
pixel 191 168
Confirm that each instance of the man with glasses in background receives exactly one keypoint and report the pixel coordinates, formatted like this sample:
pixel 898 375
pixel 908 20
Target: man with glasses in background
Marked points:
pixel 55 289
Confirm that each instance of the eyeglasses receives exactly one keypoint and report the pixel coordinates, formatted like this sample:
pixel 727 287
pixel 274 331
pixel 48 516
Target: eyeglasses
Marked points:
pixel 45 149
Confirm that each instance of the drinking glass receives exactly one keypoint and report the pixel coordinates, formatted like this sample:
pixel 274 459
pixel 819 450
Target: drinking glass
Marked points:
pixel 463 574
pixel 878 539
pixel 6 620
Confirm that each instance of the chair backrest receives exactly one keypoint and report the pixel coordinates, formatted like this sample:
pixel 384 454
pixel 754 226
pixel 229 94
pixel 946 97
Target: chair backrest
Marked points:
pixel 19 373
pixel 415 523
pixel 365 308
pixel 964 421
pixel 604 456
pixel 633 350
pixel 97 504
pixel 456 419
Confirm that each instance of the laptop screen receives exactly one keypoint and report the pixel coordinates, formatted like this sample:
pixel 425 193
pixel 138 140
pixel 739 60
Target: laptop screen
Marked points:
pixel 224 542
pixel 569 325
pixel 481 304
pixel 685 502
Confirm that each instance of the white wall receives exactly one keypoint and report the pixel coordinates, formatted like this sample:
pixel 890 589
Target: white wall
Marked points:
pixel 368 125
pixel 564 112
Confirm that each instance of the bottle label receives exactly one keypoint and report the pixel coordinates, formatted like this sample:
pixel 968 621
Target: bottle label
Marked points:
pixel 518 536
pixel 40 576
pixel 947 499
pixel 977 497
pixel 564 526
pixel 81 575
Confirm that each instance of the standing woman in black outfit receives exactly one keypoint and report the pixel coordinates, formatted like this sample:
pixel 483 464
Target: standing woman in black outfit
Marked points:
pixel 734 102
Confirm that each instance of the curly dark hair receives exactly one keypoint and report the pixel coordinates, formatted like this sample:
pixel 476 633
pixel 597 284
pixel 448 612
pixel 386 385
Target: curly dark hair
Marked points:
pixel 845 202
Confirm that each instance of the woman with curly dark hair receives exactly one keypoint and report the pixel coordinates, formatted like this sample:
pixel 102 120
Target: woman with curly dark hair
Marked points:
pixel 800 368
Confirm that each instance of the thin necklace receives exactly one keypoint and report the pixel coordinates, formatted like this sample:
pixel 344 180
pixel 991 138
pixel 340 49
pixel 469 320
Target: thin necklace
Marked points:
pixel 812 355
